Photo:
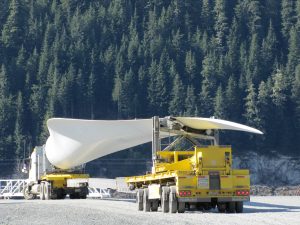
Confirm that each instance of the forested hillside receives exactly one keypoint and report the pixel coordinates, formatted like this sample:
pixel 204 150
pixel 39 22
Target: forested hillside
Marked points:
pixel 120 59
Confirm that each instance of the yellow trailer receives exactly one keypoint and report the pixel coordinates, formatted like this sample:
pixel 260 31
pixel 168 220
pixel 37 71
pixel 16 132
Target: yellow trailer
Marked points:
pixel 58 185
pixel 189 174
pixel 48 182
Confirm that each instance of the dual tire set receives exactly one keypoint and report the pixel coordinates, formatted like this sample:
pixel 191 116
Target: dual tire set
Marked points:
pixel 169 202
pixel 47 193
pixel 230 207
pixel 45 190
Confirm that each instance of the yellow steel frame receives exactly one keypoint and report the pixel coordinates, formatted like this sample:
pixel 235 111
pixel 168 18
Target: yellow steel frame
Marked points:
pixel 60 180
pixel 190 171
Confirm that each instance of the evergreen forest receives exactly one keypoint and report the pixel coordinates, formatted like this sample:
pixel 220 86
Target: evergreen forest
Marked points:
pixel 237 60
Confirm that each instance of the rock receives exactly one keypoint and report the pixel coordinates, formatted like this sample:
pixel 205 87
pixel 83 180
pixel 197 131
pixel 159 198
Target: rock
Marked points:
pixel 261 190
pixel 275 170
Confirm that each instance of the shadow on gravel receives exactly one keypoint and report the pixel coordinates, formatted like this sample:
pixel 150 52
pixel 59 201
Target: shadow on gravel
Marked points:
pixel 115 199
pixel 267 207
pixel 12 203
pixel 258 207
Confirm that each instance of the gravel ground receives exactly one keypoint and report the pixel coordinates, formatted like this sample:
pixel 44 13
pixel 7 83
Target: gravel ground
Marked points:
pixel 261 210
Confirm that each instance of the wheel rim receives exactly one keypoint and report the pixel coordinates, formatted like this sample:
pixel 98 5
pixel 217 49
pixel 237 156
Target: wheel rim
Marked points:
pixel 27 194
pixel 46 191
pixel 42 193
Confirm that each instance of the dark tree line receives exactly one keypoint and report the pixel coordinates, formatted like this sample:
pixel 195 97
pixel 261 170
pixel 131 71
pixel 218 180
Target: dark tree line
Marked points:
pixel 120 59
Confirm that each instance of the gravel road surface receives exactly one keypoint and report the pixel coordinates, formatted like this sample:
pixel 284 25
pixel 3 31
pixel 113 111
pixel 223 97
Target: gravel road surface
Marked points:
pixel 261 210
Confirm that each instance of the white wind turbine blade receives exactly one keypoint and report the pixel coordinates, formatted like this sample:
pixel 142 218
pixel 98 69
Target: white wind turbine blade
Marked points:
pixel 74 142
pixel 214 124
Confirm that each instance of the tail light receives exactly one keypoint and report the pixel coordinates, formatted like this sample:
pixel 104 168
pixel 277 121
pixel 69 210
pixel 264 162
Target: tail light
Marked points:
pixel 185 193
pixel 242 192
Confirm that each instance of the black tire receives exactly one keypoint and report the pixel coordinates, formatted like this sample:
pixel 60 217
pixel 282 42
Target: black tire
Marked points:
pixel 154 205
pixel 221 207
pixel 207 206
pixel 74 196
pixel 59 194
pixel 181 207
pixel 173 201
pixel 239 207
pixel 27 194
pixel 199 206
pixel 165 199
pixel 230 208
pixel 146 202
pixel 42 189
pixel 83 196
pixel 139 199
pixel 213 204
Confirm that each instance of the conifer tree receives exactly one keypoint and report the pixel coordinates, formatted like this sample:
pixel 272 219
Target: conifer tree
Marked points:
pixel 298 14
pixel 127 96
pixel 221 26
pixel 124 59
pixel 288 17
pixel 196 41
pixel 219 104
pixel 255 17
pixel 141 92
pixel 243 60
pixel 207 15
pixel 157 93
pixel 53 94
pixel 190 67
pixel 208 85
pixel 294 51
pixel 178 96
pixel 91 85
pixel 296 94
pixel 19 128
pixel 20 69
pixel 232 56
pixel 133 44
pixel 32 64
pixel 190 101
pixel 37 108
pixel 6 116
pixel 232 98
pixel 254 63
pixel 14 28
pixel 251 110
pixel 264 104
pixel 116 94
pixel 279 90
pixel 268 51
pixel 45 56
pixel 4 83
pixel 204 44
pixel 3 12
